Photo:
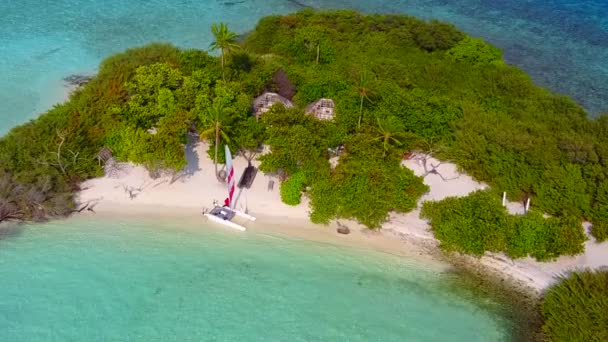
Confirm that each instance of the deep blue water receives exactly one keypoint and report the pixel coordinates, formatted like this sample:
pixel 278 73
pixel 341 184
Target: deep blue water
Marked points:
pixel 562 44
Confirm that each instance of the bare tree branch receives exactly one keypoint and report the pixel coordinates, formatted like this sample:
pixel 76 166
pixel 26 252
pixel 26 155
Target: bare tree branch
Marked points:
pixel 423 159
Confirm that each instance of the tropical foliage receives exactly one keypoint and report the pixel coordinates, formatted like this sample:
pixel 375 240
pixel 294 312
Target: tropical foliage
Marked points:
pixel 225 41
pixel 599 230
pixel 291 189
pixel 366 185
pixel 399 84
pixel 479 223
pixel 575 308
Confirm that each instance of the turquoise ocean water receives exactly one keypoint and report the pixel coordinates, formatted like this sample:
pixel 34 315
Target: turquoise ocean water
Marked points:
pixel 127 280
pixel 563 44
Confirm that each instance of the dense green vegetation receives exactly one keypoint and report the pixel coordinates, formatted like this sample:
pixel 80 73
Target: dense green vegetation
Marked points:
pixel 456 94
pixel 600 231
pixel 575 309
pixel 291 189
pixel 399 84
pixel 43 162
pixel 479 223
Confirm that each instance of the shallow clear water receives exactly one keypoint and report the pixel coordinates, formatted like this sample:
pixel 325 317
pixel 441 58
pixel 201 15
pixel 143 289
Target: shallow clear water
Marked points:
pixel 126 280
pixel 563 44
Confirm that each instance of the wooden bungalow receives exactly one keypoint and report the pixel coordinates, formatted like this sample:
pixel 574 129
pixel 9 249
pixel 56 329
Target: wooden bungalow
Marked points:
pixel 262 103
pixel 322 109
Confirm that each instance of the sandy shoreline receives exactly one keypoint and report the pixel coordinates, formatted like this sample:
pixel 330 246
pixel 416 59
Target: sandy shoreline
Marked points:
pixel 293 229
pixel 128 190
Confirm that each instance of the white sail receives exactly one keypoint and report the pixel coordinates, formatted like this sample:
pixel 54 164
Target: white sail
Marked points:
pixel 229 179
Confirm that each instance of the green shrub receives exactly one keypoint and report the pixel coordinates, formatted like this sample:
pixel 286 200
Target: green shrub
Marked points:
pixel 368 185
pixel 192 60
pixel 291 189
pixel 473 224
pixel 576 308
pixel 436 35
pixel 479 223
pixel 475 51
pixel 323 199
pixel 563 235
pixel 599 230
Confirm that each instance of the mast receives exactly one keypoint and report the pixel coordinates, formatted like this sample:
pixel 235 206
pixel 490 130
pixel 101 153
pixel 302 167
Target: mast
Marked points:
pixel 230 179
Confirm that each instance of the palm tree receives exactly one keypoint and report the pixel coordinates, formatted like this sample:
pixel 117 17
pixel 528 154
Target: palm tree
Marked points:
pixel 215 128
pixel 225 41
pixel 390 131
pixel 364 92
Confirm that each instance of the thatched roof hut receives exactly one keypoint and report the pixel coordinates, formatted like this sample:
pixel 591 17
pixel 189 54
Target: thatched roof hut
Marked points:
pixel 322 109
pixel 104 154
pixel 262 103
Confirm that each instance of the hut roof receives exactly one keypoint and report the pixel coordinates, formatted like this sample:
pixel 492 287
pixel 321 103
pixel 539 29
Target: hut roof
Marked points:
pixel 322 109
pixel 263 102
pixel 104 154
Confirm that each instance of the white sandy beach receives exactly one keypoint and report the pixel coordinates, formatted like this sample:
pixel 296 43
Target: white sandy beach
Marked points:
pixel 404 234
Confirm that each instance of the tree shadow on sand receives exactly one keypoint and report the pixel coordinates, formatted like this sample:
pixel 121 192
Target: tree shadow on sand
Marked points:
pixel 192 159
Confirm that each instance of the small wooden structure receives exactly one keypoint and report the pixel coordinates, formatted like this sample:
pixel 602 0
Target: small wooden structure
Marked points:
pixel 104 155
pixel 262 103
pixel 322 109
pixel 247 177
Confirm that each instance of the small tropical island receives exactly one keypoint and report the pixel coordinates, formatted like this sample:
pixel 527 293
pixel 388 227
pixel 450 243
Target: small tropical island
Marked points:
pixel 347 117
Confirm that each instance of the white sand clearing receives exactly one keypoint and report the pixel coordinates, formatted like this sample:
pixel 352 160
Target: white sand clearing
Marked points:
pixel 446 182
pixel 196 188
pixel 130 190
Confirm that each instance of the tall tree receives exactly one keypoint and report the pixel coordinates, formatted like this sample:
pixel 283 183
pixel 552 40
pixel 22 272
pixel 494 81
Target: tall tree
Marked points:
pixel 225 41
pixel 213 119
pixel 363 88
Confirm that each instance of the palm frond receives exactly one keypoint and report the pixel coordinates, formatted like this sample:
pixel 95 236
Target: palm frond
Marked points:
pixel 396 141
pixel 225 39
pixel 207 133
pixel 224 136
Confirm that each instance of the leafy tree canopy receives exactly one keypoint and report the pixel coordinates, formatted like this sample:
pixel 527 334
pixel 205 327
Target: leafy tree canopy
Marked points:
pixel 397 82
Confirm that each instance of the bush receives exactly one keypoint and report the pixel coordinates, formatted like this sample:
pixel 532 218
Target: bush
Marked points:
pixel 291 189
pixel 323 199
pixel 557 236
pixel 479 223
pixel 368 185
pixel 192 60
pixel 576 308
pixel 475 51
pixel 599 230
pixel 473 224
pixel 436 35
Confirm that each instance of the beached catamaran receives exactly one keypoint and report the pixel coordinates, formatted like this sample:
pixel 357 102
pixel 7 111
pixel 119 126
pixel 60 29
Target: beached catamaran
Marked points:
pixel 226 213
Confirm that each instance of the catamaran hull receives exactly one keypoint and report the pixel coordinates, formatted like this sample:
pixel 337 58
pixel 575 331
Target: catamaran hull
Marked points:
pixel 243 215
pixel 226 223
pixel 224 215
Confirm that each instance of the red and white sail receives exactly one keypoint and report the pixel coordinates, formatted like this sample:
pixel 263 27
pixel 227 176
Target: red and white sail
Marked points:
pixel 229 201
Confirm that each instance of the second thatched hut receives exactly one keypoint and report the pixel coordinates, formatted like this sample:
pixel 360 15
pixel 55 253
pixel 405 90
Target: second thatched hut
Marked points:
pixel 322 109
